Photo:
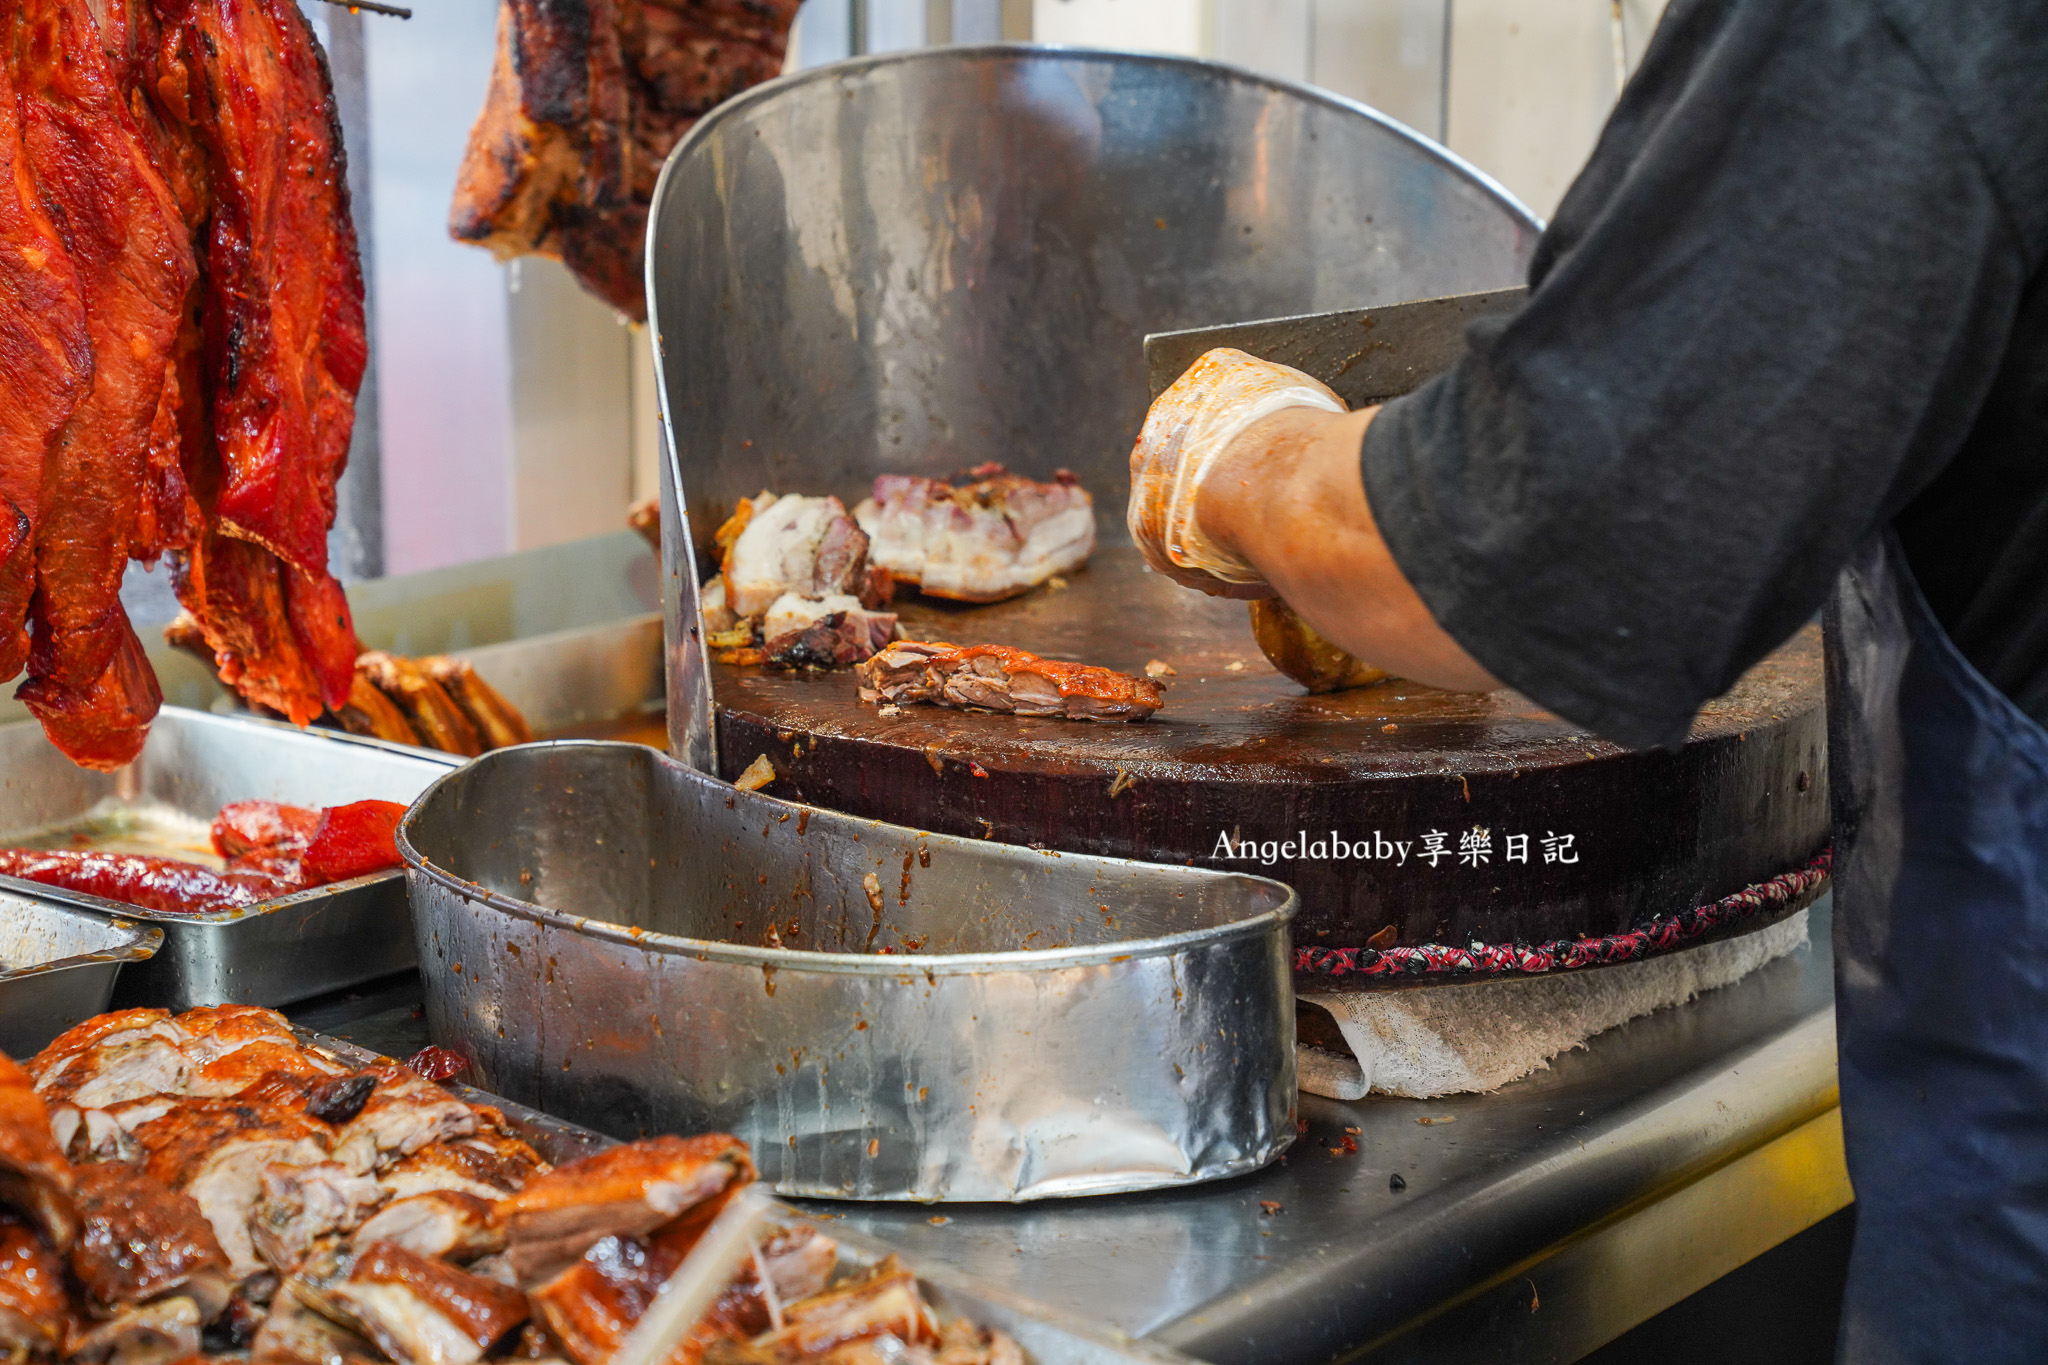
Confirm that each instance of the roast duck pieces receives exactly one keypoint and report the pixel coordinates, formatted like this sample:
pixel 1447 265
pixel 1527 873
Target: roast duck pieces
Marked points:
pixel 986 536
pixel 1010 681
pixel 205 1181
pixel 586 100
pixel 440 703
pixel 795 587
pixel 181 341
pixel 433 702
pixel 270 850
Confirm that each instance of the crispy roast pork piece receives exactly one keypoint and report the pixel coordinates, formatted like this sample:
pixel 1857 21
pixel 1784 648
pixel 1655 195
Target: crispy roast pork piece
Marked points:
pixel 793 544
pixel 34 1176
pixel 497 721
pixel 995 678
pixel 123 1055
pixel 142 1241
pixel 980 541
pixel 429 709
pixel 33 1311
pixel 586 100
pixel 626 1191
pixel 823 632
pixel 424 1310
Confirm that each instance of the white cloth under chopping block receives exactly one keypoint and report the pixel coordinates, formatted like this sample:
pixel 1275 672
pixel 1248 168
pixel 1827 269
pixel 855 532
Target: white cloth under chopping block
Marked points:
pixel 1458 1039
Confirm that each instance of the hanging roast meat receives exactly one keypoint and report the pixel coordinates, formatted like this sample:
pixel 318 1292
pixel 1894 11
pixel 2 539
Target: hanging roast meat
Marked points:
pixel 181 340
pixel 586 100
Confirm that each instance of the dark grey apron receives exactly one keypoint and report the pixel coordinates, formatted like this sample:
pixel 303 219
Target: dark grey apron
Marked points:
pixel 1941 939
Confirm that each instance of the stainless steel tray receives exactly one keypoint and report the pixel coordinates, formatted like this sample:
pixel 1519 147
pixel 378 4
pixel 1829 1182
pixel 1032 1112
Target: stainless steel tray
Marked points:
pixel 586 676
pixel 57 967
pixel 267 954
pixel 603 672
pixel 1049 1337
pixel 1047 1024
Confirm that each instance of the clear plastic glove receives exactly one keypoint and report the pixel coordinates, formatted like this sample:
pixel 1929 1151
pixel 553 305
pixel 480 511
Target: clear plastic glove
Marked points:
pixel 1186 433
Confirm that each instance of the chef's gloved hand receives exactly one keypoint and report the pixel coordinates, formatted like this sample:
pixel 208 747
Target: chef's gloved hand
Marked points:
pixel 1186 432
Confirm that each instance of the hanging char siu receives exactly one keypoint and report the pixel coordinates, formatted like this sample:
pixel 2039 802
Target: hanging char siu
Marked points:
pixel 181 341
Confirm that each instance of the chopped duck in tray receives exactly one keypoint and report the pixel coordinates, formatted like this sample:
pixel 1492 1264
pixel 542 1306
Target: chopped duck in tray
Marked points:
pixel 1011 681
pixel 434 702
pixel 991 536
pixel 212 1184
pixel 270 850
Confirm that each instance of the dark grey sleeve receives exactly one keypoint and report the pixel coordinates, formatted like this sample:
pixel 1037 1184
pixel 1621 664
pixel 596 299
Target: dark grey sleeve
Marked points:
pixel 1763 318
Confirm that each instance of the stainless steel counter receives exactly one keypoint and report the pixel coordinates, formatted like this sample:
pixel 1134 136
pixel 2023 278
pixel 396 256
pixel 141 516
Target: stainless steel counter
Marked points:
pixel 1535 1224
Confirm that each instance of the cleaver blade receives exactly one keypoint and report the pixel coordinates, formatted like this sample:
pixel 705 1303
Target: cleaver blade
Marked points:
pixel 1367 355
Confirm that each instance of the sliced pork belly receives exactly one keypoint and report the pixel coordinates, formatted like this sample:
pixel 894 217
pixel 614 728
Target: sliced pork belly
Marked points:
pixel 981 541
pixel 808 546
pixel 143 1241
pixel 994 678
pixel 625 1191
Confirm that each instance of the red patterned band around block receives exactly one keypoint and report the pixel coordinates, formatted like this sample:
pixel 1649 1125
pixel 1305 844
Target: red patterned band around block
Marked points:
pixel 1498 959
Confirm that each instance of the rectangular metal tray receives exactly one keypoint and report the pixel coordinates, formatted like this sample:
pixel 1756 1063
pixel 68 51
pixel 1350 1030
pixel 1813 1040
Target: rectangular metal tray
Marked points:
pixel 1048 1336
pixel 272 953
pixel 57 967
pixel 606 672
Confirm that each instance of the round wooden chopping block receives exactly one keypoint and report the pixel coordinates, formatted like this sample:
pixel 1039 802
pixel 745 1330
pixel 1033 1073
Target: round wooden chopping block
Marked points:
pixel 1403 816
